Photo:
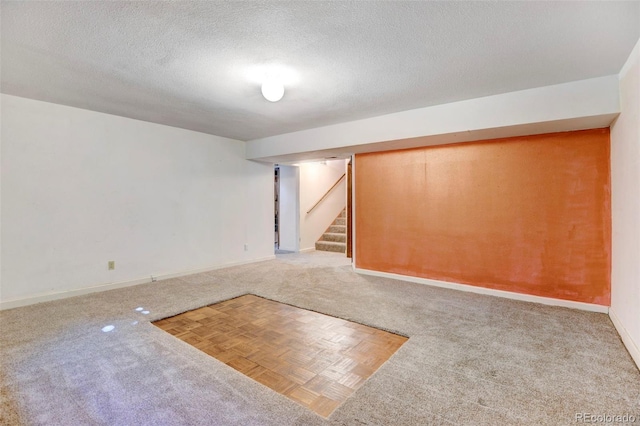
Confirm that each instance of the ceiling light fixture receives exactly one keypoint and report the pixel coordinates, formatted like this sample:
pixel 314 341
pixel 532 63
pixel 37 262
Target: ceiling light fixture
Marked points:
pixel 272 90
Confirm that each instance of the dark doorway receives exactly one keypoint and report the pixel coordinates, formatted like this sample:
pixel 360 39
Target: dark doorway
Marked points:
pixel 276 195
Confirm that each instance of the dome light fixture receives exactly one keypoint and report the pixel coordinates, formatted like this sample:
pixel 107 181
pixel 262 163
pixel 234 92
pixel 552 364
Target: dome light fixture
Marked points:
pixel 272 90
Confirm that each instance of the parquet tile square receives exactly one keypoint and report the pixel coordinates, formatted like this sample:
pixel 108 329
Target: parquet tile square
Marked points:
pixel 303 396
pixel 313 359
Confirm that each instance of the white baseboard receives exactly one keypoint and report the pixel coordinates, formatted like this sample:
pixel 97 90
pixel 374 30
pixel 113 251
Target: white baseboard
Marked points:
pixel 307 250
pixel 629 343
pixel 490 292
pixel 46 297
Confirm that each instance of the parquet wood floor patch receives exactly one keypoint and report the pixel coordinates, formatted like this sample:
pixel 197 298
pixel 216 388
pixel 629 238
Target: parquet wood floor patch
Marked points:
pixel 311 358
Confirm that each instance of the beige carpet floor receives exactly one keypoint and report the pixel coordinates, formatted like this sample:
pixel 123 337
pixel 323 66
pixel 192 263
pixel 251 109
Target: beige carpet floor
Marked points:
pixel 470 359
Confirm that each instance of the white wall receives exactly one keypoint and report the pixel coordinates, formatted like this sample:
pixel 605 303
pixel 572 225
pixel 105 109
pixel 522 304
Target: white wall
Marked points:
pixel 576 105
pixel 315 179
pixel 289 208
pixel 80 188
pixel 625 203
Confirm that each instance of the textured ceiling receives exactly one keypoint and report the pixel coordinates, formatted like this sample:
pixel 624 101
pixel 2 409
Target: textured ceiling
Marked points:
pixel 194 64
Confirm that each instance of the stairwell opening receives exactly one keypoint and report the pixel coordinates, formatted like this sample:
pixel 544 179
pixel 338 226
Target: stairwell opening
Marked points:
pixel 310 207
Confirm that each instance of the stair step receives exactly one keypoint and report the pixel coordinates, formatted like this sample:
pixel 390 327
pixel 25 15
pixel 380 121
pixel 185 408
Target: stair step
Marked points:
pixel 337 229
pixel 329 236
pixel 331 246
pixel 340 221
pixel 343 213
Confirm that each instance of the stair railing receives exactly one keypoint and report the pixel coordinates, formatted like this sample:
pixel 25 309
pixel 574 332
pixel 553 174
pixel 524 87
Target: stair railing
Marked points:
pixel 326 194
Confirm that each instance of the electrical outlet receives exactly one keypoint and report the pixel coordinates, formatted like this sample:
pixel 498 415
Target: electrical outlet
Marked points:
pixel 111 265
pixel 246 247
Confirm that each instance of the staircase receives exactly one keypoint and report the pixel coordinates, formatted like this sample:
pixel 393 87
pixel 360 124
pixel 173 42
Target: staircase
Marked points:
pixel 335 237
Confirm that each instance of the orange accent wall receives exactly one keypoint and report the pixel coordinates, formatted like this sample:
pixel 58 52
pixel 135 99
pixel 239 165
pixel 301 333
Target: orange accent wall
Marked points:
pixel 526 214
